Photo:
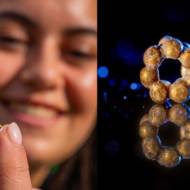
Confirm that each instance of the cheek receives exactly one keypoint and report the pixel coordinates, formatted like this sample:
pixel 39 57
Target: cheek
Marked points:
pixel 82 92
pixel 83 97
pixel 88 86
pixel 9 67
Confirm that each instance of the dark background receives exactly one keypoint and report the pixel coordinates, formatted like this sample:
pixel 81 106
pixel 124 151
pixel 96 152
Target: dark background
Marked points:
pixel 126 29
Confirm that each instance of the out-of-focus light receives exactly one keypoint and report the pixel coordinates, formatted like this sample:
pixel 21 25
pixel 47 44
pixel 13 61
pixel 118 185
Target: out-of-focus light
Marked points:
pixel 125 97
pixel 124 83
pixel 128 53
pixel 112 82
pixel 103 72
pixel 135 86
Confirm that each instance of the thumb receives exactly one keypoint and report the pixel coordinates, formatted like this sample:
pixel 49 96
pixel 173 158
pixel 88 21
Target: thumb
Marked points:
pixel 14 170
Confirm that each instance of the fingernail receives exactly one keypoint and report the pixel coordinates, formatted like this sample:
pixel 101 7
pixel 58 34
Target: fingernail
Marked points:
pixel 14 133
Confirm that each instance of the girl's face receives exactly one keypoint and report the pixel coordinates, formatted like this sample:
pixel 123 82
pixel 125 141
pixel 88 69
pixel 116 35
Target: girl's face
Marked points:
pixel 48 74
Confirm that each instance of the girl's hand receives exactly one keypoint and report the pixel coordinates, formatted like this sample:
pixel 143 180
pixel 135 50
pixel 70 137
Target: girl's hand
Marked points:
pixel 14 169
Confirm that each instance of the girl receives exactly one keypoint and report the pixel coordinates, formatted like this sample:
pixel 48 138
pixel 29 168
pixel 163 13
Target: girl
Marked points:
pixel 48 99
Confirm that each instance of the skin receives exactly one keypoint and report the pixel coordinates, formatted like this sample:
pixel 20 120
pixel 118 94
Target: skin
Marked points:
pixel 49 55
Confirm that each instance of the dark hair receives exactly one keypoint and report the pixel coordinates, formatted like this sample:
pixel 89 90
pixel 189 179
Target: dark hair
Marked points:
pixel 79 172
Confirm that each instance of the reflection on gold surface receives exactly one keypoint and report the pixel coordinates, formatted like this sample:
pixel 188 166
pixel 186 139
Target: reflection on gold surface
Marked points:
pixel 149 125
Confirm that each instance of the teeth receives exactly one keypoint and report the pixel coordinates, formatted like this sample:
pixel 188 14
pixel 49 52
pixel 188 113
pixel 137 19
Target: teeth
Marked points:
pixel 32 110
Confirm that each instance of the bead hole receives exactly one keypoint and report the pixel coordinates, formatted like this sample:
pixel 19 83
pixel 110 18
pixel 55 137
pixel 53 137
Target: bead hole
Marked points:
pixel 170 70
pixel 169 134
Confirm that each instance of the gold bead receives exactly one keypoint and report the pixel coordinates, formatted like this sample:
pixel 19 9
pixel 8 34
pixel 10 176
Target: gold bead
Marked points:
pixel 178 115
pixel 185 58
pixel 183 148
pixel 150 147
pixel 147 130
pixel 178 91
pixel 158 92
pixel 148 76
pixel 143 119
pixel 185 73
pixel 152 57
pixel 157 115
pixel 168 157
pixel 185 131
pixel 170 47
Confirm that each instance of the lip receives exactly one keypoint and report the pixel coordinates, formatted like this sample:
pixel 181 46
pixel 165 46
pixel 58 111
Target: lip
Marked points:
pixel 31 101
pixel 34 121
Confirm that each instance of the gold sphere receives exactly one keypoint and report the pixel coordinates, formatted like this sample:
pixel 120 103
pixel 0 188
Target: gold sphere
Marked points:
pixel 185 73
pixel 157 115
pixel 158 92
pixel 150 148
pixel 147 130
pixel 170 47
pixel 168 157
pixel 148 76
pixel 143 119
pixel 185 58
pixel 185 131
pixel 183 148
pixel 178 91
pixel 152 57
pixel 178 115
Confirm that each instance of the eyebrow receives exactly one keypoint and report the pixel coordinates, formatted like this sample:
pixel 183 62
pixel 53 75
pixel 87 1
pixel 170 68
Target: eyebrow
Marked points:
pixel 22 19
pixel 80 31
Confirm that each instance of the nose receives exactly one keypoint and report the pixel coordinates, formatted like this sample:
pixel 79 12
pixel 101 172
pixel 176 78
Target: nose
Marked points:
pixel 41 69
pixel 39 76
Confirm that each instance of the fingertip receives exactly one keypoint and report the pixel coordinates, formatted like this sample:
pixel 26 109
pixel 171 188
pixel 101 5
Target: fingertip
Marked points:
pixel 14 133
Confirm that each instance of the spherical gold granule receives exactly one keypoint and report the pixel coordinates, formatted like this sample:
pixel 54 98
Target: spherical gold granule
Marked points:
pixel 152 57
pixel 150 147
pixel 170 47
pixel 158 92
pixel 185 58
pixel 168 157
pixel 143 119
pixel 183 148
pixel 147 130
pixel 157 115
pixel 148 76
pixel 178 115
pixel 178 91
pixel 185 73
pixel 185 131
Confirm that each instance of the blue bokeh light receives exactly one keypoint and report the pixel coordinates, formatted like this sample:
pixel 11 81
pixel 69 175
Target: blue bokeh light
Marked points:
pixel 124 83
pixel 128 53
pixel 135 86
pixel 112 82
pixel 103 72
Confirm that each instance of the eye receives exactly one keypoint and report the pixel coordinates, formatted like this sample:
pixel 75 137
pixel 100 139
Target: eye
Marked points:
pixel 80 54
pixel 78 57
pixel 9 42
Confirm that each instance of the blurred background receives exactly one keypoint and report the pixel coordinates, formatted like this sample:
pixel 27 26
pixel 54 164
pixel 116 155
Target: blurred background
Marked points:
pixel 126 30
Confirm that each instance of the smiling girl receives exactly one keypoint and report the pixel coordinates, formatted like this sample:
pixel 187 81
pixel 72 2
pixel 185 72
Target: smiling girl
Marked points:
pixel 48 82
